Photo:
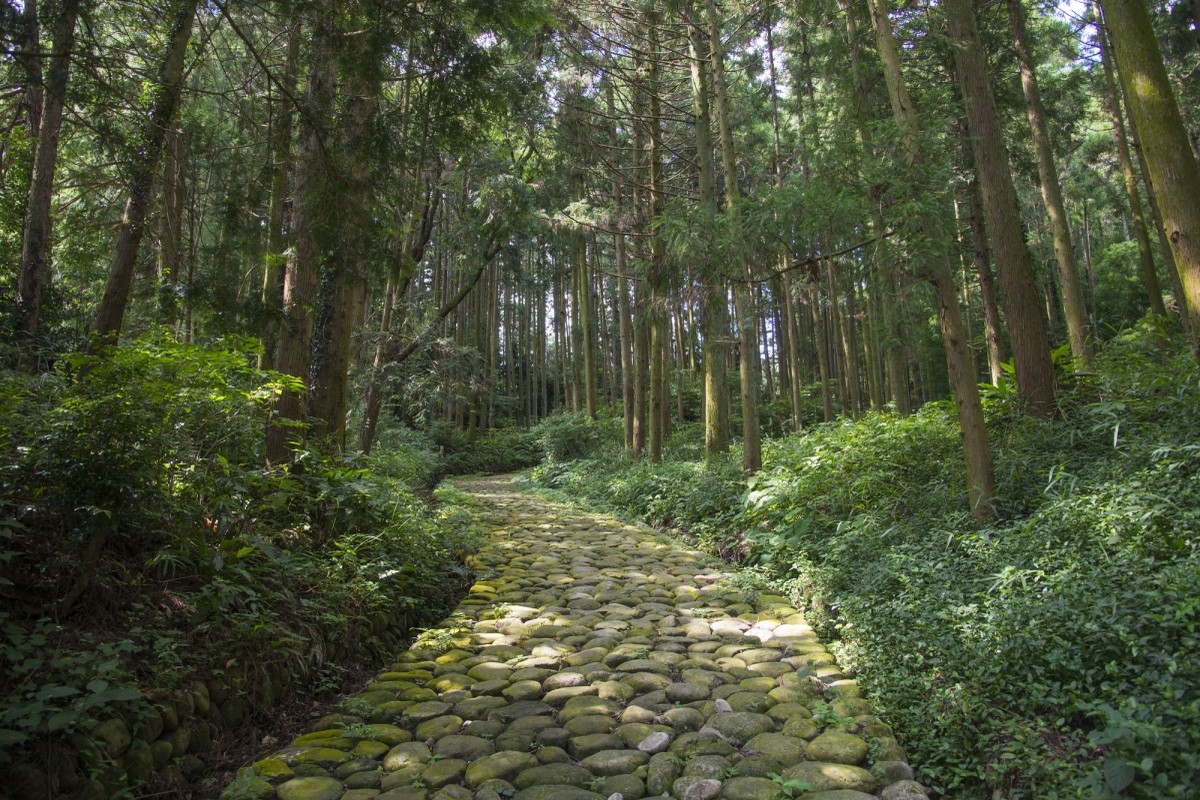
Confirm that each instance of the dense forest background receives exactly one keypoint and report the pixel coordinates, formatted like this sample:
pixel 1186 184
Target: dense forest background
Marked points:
pixel 900 306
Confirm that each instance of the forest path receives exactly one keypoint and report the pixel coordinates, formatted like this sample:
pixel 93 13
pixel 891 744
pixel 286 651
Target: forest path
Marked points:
pixel 592 659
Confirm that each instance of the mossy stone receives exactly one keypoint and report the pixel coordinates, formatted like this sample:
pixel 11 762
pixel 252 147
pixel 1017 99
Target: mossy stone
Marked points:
pixel 113 735
pixel 749 788
pixel 162 751
pixel 560 774
pixel 556 793
pixel 581 747
pixel 446 771
pixel 787 750
pixel 739 727
pixel 826 776
pixel 505 764
pixel 614 762
pixel 138 762
pixel 368 779
pixel 438 727
pixel 838 747
pixel 149 727
pixel 257 789
pixel 310 789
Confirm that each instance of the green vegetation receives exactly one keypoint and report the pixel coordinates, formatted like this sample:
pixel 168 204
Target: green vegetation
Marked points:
pixel 1054 652
pixel 135 489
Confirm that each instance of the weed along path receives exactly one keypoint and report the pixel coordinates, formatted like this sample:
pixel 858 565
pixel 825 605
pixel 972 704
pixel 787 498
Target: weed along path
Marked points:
pixel 594 660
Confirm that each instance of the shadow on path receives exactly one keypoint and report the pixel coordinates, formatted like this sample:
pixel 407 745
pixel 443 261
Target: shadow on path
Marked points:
pixel 592 659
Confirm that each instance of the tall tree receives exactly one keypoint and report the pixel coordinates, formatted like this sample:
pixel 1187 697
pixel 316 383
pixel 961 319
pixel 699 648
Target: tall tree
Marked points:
pixel 714 316
pixel 1112 102
pixel 1164 139
pixel 1018 288
pixel 166 93
pixel 747 321
pixel 35 247
pixel 981 481
pixel 1060 229
pixel 281 164
pixel 344 275
pixel 309 213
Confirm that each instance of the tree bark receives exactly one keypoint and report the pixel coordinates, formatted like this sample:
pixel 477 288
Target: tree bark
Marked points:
pixel 1018 288
pixel 281 156
pixel 714 315
pixel 993 333
pixel 748 362
pixel 29 58
pixel 303 263
pixel 1169 156
pixel 169 85
pixel 981 482
pixel 1136 212
pixel 1060 230
pixel 34 274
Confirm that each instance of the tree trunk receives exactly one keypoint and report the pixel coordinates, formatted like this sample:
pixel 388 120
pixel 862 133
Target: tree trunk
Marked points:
pixel 714 315
pixel 303 263
pixel 35 245
pixel 1141 235
pixel 281 155
pixel 981 482
pixel 993 333
pixel 412 254
pixel 29 58
pixel 1018 288
pixel 1168 152
pixel 1060 230
pixel 587 325
pixel 111 315
pixel 749 368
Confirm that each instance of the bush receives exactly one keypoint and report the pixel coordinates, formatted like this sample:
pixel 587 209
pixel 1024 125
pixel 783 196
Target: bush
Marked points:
pixel 568 435
pixel 133 484
pixel 504 450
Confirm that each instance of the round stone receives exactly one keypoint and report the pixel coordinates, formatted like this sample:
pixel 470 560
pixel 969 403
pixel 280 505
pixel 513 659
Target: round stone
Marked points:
pixel 468 748
pixel 505 764
pixel 837 747
pixel 785 750
pixel 614 762
pixel 742 788
pixel 826 776
pixel 655 743
pixel 580 747
pixel 739 727
pixel 551 774
pixel 310 789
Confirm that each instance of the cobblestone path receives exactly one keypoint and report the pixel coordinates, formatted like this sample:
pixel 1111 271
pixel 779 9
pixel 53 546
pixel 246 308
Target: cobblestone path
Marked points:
pixel 594 660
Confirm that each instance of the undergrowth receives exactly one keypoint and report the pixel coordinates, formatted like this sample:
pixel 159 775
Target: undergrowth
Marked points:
pixel 143 543
pixel 1053 653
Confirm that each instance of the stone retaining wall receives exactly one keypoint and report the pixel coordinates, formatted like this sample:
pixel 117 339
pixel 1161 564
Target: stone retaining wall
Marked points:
pixel 166 739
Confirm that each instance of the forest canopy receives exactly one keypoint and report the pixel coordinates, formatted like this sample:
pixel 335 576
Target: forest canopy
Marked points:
pixel 264 263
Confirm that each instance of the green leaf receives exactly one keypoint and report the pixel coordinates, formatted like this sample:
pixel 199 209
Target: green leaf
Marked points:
pixel 9 737
pixel 1118 774
pixel 97 685
pixel 54 690
pixel 61 720
pixel 116 694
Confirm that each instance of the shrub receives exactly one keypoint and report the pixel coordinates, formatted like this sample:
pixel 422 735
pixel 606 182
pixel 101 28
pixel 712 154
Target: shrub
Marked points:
pixel 568 435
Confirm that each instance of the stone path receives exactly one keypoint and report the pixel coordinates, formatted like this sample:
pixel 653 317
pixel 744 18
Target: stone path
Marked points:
pixel 594 660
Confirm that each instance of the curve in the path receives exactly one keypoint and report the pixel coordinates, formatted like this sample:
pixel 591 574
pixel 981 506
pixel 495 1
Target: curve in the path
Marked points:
pixel 594 660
